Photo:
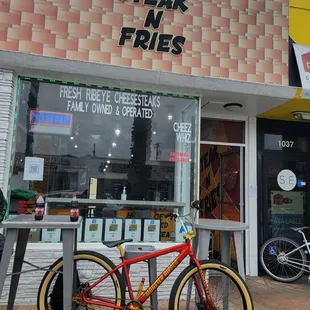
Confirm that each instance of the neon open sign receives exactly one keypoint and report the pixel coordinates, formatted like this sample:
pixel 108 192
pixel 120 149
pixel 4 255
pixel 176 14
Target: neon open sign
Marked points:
pixel 46 122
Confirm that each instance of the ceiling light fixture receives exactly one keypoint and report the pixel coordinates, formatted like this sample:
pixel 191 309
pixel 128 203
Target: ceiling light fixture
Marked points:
pixel 72 138
pixel 117 131
pixel 301 115
pixel 109 154
pixel 76 146
pixel 154 132
pixel 108 161
pixel 113 144
pixel 169 117
pixel 233 106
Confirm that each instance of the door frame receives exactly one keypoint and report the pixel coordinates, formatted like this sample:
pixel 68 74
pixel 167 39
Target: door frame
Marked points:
pixel 262 210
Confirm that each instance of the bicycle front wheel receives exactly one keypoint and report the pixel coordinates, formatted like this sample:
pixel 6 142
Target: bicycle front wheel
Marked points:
pixel 227 289
pixel 282 259
pixel 90 267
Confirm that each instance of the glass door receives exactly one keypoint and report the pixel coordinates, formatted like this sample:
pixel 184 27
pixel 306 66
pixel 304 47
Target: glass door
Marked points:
pixel 232 184
pixel 285 195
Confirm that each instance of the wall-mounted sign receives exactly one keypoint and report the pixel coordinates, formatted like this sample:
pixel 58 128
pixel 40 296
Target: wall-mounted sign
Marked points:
pixel 113 229
pixel 54 123
pixel 150 39
pixel 133 229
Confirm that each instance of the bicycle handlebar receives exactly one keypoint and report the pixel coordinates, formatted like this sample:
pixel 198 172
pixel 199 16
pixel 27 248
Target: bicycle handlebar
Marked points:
pixel 195 205
pixel 175 216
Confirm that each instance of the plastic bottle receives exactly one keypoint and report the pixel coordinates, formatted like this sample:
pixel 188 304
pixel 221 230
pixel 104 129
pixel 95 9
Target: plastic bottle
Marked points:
pixel 124 195
pixel 74 211
pixel 39 210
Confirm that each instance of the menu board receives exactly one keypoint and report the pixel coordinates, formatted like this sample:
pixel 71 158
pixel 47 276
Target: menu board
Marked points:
pixel 151 230
pixel 133 229
pixel 51 235
pixel 93 230
pixel 113 229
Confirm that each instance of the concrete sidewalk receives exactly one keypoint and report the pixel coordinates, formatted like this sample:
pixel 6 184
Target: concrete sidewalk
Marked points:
pixel 267 295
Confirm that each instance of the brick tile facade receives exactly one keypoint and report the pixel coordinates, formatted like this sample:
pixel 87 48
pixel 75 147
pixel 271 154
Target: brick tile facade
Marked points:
pixel 236 39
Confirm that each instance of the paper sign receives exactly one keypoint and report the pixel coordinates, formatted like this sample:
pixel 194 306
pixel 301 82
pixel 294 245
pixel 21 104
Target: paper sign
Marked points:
pixel 113 229
pixel 51 235
pixel 180 231
pixel 33 169
pixel 151 230
pixel 93 230
pixel 133 229
pixel 252 191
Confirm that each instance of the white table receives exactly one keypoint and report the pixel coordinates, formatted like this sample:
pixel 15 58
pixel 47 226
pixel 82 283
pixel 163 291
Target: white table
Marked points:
pixel 204 227
pixel 18 230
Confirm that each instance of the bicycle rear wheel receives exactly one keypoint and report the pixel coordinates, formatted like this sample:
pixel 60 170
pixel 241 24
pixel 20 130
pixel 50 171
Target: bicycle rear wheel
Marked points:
pixel 278 264
pixel 227 289
pixel 90 266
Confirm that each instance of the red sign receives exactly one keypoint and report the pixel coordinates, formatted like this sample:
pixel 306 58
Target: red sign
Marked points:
pixel 179 157
pixel 306 61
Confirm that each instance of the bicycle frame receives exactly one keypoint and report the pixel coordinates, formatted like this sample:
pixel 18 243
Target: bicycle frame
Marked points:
pixel 183 249
pixel 306 244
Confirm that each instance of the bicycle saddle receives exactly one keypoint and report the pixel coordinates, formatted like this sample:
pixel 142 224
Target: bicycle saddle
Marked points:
pixel 112 244
pixel 299 228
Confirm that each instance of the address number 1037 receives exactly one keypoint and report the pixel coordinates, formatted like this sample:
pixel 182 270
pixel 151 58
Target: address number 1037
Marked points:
pixel 283 143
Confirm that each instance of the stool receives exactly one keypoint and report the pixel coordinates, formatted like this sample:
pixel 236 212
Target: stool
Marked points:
pixel 132 251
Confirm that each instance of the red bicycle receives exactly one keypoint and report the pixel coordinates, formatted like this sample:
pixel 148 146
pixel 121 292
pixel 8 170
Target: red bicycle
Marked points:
pixel 100 284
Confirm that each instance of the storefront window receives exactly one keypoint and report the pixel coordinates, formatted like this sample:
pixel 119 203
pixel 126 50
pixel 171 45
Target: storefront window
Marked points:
pixel 132 153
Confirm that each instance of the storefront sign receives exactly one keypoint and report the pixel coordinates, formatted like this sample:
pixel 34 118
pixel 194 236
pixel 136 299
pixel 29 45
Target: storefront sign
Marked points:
pixel 151 230
pixel 93 230
pixel 303 61
pixel 113 229
pixel 183 132
pixel 287 180
pixel 133 229
pixel 147 39
pixel 107 102
pixel 46 122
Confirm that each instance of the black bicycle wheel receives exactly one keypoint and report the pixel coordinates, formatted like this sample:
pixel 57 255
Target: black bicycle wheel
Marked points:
pixel 278 263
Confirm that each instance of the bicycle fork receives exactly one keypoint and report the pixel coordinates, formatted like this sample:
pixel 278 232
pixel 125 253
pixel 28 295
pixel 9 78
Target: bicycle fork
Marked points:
pixel 209 302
